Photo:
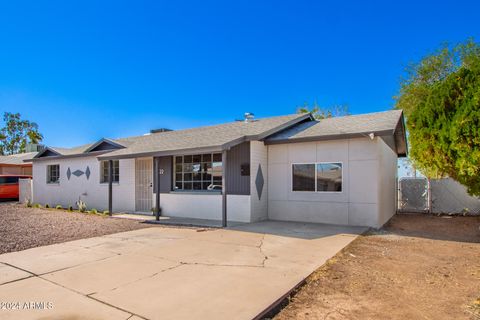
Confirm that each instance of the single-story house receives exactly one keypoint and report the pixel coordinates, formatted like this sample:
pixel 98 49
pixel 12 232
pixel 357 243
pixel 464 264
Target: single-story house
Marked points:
pixel 15 164
pixel 339 170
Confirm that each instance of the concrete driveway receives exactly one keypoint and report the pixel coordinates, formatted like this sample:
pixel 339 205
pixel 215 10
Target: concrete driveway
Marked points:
pixel 167 273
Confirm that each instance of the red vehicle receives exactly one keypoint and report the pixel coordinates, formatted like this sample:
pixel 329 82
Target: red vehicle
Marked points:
pixel 9 185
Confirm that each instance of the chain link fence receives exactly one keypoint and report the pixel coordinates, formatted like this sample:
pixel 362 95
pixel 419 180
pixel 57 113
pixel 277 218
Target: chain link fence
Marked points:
pixel 440 196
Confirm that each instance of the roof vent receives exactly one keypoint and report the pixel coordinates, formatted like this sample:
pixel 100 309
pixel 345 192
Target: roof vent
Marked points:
pixel 249 117
pixel 160 130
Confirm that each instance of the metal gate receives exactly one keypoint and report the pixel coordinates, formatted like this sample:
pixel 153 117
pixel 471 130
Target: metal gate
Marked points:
pixel 143 185
pixel 413 195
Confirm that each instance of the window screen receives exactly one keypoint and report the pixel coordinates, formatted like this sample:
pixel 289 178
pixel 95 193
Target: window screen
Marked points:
pixel 53 173
pixel 104 171
pixel 329 177
pixel 303 177
pixel 320 177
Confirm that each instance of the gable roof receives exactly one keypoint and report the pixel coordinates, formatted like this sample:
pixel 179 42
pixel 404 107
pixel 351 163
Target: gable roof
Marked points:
pixel 386 123
pixel 209 138
pixel 281 129
pixel 16 159
pixel 103 145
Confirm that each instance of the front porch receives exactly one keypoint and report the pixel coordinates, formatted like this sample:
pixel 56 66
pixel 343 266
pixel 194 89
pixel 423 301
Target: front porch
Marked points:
pixel 210 189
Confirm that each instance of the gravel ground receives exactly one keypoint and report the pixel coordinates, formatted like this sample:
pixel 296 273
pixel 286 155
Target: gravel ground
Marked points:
pixel 22 228
pixel 417 267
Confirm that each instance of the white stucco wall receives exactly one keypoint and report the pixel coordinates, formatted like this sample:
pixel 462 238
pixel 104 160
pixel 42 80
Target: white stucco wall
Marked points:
pixel 94 193
pixel 238 208
pixel 364 182
pixel 191 205
pixel 258 157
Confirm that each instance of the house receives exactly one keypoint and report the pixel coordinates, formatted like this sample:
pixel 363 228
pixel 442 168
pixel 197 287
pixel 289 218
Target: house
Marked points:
pixel 15 164
pixel 340 170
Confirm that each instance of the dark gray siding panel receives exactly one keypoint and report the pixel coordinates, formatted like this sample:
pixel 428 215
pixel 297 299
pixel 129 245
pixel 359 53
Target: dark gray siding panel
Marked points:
pixel 166 163
pixel 236 156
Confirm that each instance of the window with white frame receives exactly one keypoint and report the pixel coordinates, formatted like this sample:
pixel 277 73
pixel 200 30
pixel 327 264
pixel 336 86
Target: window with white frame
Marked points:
pixel 53 173
pixel 198 172
pixel 319 177
pixel 104 171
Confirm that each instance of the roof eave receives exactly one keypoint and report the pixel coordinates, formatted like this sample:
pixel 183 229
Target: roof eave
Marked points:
pixel 68 156
pixel 162 153
pixel 330 137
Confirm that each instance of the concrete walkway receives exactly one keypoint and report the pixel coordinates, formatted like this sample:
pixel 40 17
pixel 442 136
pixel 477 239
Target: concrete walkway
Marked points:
pixel 167 273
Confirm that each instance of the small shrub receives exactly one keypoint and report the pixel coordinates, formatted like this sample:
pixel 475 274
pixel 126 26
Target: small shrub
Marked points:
pixel 82 206
pixel 47 206
pixel 94 211
pixel 28 203
pixel 106 212
pixel 70 208
pixel 37 205
pixel 59 207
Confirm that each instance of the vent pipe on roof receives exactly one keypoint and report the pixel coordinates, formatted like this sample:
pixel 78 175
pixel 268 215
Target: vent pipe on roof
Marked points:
pixel 160 130
pixel 249 117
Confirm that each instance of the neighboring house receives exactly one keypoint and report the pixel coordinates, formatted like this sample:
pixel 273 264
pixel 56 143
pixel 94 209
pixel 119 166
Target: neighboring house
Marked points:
pixel 339 170
pixel 15 164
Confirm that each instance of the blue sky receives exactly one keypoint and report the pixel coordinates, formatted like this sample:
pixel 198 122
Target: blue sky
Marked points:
pixel 90 69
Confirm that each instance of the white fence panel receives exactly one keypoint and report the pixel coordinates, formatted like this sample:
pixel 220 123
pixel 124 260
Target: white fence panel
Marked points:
pixel 25 190
pixel 450 197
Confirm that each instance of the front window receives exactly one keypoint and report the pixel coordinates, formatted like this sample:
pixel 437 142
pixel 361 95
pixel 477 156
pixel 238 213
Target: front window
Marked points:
pixel 104 171
pixel 320 177
pixel 53 173
pixel 198 172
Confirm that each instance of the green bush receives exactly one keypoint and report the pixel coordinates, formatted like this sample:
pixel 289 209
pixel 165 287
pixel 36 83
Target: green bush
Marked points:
pixel 106 212
pixel 37 205
pixel 47 206
pixel 94 211
pixel 28 203
pixel 70 208
pixel 59 207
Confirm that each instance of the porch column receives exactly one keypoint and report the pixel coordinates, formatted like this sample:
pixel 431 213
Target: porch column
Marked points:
pixel 224 188
pixel 156 168
pixel 110 189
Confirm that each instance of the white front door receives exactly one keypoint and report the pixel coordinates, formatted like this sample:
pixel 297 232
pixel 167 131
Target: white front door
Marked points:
pixel 143 185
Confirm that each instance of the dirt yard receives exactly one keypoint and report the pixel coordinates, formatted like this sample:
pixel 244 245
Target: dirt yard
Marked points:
pixel 417 267
pixel 22 228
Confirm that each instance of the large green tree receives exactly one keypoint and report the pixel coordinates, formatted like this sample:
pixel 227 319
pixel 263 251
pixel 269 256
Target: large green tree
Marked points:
pixel 441 100
pixel 17 133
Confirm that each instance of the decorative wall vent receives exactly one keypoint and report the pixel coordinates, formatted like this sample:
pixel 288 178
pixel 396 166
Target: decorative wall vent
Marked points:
pixel 78 173
pixel 259 182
